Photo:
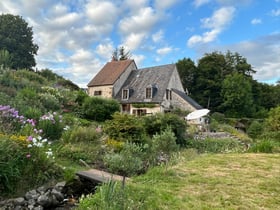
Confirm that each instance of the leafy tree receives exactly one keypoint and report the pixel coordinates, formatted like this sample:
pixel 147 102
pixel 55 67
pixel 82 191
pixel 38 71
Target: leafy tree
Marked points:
pixel 187 71
pixel 237 96
pixel 120 54
pixel 16 37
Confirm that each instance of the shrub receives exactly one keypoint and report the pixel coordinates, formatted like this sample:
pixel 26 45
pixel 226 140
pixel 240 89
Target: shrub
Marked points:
pixel 164 144
pixel 82 134
pixel 52 124
pixel 125 127
pixel 255 129
pixel 99 109
pixel 263 146
pixel 50 102
pixel 159 122
pixel 127 162
pixel 25 158
pixel 272 122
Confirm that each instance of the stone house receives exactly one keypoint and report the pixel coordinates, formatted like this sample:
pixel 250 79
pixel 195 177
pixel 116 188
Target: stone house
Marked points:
pixel 142 91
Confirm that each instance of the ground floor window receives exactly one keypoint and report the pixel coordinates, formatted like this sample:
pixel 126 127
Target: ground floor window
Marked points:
pixel 139 112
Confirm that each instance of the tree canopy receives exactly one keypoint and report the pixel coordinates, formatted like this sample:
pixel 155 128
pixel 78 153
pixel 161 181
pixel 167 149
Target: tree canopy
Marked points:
pixel 16 43
pixel 222 83
pixel 120 54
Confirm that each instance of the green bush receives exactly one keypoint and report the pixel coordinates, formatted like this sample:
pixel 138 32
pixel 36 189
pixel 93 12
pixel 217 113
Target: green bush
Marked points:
pixel 127 162
pixel 263 146
pixel 52 125
pixel 82 134
pixel 255 129
pixel 159 122
pixel 164 144
pixel 50 102
pixel 125 127
pixel 215 145
pixel 24 163
pixel 99 109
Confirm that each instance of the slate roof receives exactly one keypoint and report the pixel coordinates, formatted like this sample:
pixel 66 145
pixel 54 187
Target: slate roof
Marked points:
pixel 156 77
pixel 192 102
pixel 110 73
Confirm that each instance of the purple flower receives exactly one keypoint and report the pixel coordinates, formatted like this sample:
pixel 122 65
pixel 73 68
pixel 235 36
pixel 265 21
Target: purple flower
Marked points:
pixel 29 138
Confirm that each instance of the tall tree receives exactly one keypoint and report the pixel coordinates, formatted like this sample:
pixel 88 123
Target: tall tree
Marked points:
pixel 237 96
pixel 120 54
pixel 17 38
pixel 187 71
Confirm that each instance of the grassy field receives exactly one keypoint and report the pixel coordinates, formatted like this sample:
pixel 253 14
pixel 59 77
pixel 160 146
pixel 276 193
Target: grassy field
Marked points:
pixel 213 181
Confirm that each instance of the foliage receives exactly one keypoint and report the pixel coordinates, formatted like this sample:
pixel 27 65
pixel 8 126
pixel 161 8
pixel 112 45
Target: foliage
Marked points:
pixel 272 122
pixel 82 134
pixel 120 54
pixel 17 38
pixel 164 144
pixel 188 72
pixel 215 145
pixel 99 109
pixel 52 124
pixel 159 122
pixel 255 129
pixel 237 96
pixel 263 146
pixel 5 59
pixel 127 162
pixel 125 127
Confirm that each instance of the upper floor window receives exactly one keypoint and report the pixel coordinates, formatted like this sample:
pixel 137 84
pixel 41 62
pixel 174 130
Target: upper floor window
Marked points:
pixel 149 93
pixel 125 93
pixel 97 93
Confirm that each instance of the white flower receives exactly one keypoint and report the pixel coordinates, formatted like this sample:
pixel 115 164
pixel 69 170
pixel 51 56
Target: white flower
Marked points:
pixel 29 145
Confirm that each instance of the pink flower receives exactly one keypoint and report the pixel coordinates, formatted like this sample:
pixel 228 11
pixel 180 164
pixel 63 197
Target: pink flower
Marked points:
pixel 30 138
pixel 28 155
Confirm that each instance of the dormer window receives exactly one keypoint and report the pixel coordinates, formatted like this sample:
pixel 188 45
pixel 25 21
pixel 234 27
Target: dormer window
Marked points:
pixel 125 94
pixel 149 92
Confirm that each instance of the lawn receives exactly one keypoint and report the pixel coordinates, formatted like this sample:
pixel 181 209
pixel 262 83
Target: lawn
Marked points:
pixel 213 181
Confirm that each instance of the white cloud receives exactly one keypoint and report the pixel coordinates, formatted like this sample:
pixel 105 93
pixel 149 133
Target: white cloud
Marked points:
pixel 164 4
pixel 275 12
pixel 101 12
pixel 134 40
pixel 256 21
pixel 216 23
pixel 198 3
pixel 144 20
pixel 158 36
pixel 105 50
pixel 164 50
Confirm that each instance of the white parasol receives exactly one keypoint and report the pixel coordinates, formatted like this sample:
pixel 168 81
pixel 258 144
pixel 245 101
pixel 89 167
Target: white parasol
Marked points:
pixel 197 114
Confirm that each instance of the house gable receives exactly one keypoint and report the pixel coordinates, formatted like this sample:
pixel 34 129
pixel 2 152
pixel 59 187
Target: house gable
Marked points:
pixel 110 78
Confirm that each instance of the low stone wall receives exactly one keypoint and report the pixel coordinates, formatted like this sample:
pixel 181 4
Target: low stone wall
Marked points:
pixel 61 196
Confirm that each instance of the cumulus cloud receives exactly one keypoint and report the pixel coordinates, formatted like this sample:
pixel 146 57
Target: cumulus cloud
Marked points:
pixel 198 3
pixel 158 36
pixel 164 50
pixel 216 23
pixel 164 4
pixel 256 21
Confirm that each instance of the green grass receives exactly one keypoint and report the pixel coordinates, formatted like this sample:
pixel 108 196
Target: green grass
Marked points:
pixel 210 181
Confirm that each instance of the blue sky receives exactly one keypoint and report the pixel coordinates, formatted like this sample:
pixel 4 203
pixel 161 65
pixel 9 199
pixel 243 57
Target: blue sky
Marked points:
pixel 77 37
